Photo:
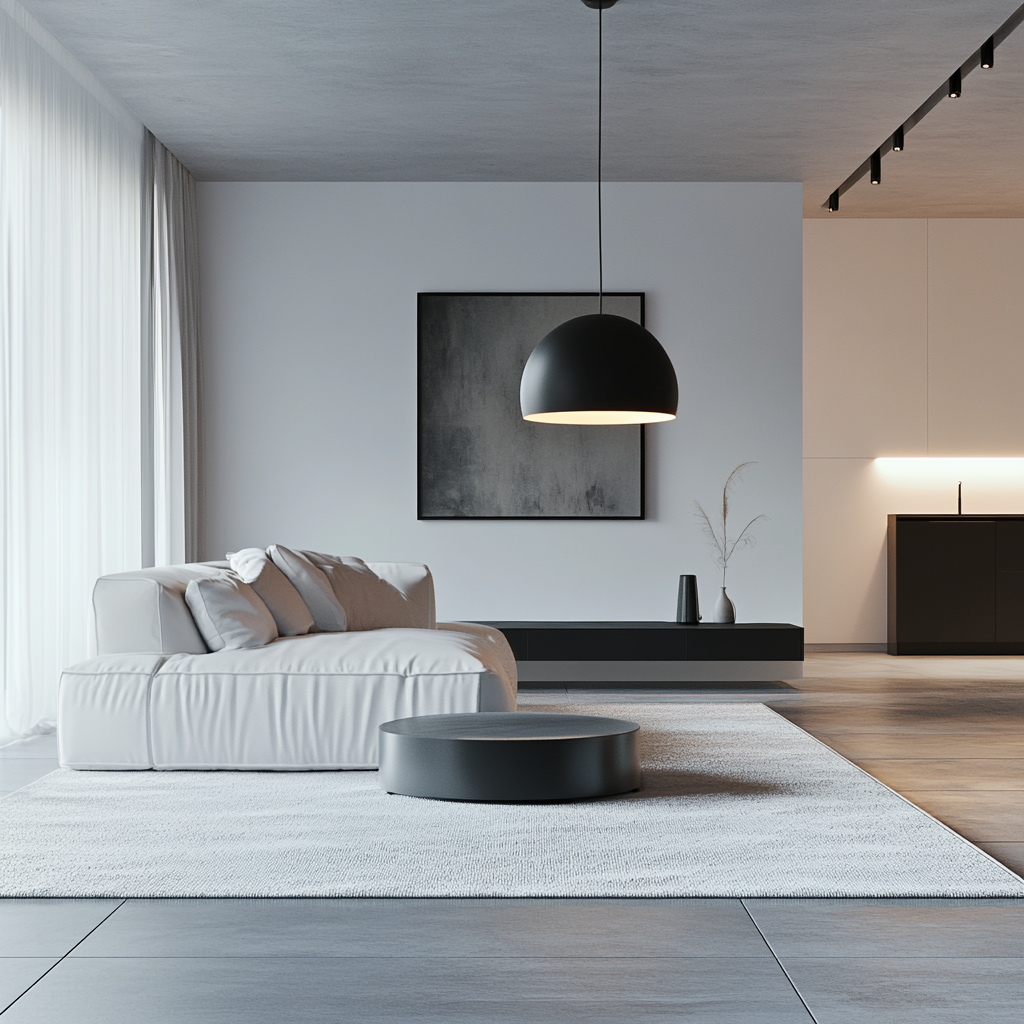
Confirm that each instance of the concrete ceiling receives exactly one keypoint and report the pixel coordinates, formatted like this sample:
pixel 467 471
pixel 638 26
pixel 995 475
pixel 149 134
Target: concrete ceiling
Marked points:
pixel 466 90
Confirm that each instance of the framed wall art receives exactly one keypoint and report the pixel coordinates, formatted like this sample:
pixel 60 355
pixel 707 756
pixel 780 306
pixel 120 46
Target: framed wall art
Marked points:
pixel 477 457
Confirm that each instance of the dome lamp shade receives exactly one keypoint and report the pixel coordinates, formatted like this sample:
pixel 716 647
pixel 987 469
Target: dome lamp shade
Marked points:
pixel 599 369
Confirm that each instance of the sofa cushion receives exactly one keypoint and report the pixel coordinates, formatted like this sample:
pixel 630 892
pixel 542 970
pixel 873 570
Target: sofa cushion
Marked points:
pixel 369 601
pixel 252 566
pixel 103 707
pixel 229 613
pixel 301 702
pixel 316 701
pixel 313 586
pixel 379 652
pixel 414 580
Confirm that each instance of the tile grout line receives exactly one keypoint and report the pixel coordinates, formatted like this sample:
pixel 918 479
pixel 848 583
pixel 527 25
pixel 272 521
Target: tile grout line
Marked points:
pixel 782 966
pixel 503 957
pixel 64 957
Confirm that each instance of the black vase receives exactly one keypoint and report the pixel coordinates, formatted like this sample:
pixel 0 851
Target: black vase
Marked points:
pixel 687 609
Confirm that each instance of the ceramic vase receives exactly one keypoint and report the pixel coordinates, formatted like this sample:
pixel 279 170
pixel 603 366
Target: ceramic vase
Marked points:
pixel 725 610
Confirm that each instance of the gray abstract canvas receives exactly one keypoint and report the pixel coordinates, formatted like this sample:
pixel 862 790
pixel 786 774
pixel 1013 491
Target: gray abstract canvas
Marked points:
pixel 478 458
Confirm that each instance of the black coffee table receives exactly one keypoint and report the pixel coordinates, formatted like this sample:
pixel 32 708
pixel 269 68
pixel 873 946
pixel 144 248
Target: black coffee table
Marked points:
pixel 510 756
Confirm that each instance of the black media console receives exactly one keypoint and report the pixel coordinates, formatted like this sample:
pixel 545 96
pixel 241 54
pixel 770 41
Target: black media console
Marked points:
pixel 711 651
pixel 653 641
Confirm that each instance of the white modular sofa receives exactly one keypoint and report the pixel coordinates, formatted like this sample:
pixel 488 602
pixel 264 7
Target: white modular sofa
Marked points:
pixel 155 697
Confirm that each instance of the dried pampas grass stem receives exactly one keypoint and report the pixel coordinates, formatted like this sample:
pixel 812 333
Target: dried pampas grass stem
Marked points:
pixel 723 546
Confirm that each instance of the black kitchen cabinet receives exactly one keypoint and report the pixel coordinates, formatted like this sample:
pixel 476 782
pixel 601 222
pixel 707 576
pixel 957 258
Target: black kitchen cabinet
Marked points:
pixel 956 585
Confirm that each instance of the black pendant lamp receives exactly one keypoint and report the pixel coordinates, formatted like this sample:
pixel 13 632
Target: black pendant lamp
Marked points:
pixel 599 368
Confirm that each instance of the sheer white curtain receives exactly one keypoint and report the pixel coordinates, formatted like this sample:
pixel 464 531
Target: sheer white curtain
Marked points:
pixel 84 321
pixel 174 391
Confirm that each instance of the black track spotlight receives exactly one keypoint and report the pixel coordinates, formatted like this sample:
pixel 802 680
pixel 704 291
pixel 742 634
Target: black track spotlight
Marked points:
pixel 952 88
pixel 988 52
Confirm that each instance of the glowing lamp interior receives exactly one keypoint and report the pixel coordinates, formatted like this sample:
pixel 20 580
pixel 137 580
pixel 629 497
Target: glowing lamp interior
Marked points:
pixel 597 417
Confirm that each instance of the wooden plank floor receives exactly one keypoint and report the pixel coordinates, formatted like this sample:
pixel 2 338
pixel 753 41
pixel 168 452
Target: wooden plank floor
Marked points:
pixel 946 733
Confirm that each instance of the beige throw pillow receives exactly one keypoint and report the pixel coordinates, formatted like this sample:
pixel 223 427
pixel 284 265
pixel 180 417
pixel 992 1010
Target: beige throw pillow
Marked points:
pixel 369 601
pixel 229 613
pixel 313 586
pixel 290 613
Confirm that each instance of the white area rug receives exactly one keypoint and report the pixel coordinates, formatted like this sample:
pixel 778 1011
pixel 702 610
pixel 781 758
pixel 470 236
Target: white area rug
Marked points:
pixel 736 801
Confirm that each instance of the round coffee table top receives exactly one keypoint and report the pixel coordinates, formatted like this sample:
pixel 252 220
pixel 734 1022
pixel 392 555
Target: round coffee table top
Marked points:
pixel 508 725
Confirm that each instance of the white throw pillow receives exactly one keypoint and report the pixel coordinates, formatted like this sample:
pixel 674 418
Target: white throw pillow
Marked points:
pixel 369 601
pixel 290 613
pixel 313 586
pixel 229 613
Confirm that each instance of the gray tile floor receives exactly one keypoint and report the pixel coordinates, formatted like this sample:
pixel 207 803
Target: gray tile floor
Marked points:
pixel 109 961
pixel 290 960
pixel 25 761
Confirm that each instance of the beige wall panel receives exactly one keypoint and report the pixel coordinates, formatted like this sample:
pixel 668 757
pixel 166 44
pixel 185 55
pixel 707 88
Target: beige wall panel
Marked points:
pixel 976 337
pixel 865 338
pixel 844 553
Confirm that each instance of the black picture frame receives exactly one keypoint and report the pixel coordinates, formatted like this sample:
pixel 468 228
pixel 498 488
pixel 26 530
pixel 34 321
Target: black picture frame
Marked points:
pixel 476 456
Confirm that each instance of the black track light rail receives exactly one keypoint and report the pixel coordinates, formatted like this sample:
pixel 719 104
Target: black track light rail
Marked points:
pixel 984 53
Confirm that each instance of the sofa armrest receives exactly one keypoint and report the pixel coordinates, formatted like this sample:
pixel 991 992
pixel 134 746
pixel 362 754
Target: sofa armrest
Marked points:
pixel 145 610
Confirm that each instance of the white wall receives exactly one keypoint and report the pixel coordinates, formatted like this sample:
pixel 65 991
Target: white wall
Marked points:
pixel 913 347
pixel 309 321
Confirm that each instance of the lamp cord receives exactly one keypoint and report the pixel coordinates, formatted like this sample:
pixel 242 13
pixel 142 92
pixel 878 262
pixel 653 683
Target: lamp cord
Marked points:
pixel 600 90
